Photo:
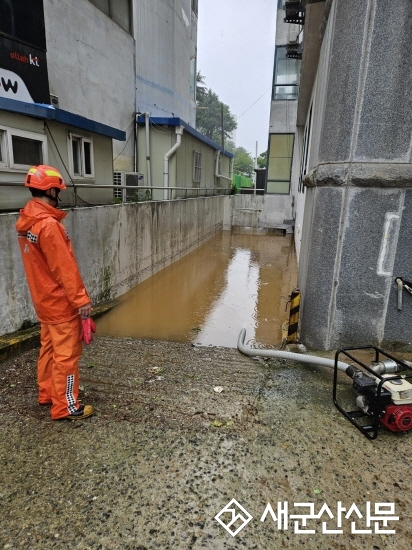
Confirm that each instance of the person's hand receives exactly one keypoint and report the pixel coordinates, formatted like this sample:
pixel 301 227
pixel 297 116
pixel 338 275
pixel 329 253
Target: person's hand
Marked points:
pixel 86 311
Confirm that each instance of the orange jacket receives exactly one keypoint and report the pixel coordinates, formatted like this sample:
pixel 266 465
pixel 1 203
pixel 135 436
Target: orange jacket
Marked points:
pixel 56 287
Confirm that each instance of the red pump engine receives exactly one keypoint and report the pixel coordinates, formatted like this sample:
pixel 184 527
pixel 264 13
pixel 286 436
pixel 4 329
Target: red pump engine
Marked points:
pixel 384 395
pixel 397 418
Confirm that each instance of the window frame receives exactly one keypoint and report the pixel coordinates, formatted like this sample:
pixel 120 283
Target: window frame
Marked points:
pixel 305 151
pixel 3 148
pixel 279 180
pixel 197 166
pixel 195 6
pixel 193 75
pixel 81 158
pixel 110 16
pixel 291 96
pixel 6 144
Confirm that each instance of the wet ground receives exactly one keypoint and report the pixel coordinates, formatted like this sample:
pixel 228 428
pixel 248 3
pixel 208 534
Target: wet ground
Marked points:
pixel 232 281
pixel 165 453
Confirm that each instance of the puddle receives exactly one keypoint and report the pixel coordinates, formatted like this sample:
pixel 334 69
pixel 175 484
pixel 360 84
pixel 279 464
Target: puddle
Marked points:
pixel 231 282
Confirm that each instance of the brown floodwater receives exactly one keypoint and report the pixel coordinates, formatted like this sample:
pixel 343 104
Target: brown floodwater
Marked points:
pixel 233 281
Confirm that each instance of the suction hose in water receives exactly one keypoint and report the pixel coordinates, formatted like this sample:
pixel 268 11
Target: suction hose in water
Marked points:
pixel 278 354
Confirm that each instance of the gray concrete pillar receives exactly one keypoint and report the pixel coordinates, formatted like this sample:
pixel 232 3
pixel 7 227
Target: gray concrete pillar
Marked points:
pixel 358 213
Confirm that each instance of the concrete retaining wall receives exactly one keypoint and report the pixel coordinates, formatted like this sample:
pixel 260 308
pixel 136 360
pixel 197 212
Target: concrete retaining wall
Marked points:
pixel 260 211
pixel 117 246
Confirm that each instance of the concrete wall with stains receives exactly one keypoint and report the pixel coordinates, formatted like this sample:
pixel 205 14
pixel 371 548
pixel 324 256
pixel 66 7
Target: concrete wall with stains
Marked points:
pixel 260 211
pixel 91 66
pixel 117 247
pixel 357 222
pixel 166 35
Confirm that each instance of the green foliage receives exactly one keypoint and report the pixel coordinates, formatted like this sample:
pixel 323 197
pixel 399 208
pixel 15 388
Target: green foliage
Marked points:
pixel 209 113
pixel 243 162
pixel 234 190
pixel 200 87
pixel 262 160
pixel 229 145
pixel 140 197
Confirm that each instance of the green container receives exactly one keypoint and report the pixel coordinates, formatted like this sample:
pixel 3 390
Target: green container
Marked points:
pixel 241 181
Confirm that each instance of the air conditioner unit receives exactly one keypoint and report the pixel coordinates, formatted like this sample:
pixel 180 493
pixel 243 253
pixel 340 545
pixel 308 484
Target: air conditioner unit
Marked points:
pixel 127 179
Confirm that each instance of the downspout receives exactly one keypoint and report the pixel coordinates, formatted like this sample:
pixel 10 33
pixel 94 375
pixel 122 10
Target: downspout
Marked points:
pixel 136 159
pixel 179 132
pixel 147 127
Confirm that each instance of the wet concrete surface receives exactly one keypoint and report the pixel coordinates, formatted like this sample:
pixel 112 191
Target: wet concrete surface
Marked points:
pixel 165 453
pixel 230 282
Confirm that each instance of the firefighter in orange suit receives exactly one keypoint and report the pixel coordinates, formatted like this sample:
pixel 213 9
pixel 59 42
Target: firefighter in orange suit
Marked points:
pixel 58 293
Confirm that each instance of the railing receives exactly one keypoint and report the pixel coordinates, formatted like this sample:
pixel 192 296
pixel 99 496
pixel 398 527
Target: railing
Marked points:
pixel 200 191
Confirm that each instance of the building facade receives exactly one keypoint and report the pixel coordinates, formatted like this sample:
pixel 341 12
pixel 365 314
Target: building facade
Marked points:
pixel 76 74
pixel 352 191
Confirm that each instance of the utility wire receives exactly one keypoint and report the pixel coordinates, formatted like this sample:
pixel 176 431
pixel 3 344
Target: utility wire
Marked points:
pixel 237 118
pixel 65 167
pixel 57 149
pixel 128 139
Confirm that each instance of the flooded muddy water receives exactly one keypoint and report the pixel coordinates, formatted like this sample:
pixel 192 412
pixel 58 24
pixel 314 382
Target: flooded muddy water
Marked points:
pixel 233 281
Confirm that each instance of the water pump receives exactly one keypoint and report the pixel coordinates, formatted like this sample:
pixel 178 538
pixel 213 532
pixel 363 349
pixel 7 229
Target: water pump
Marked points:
pixel 384 395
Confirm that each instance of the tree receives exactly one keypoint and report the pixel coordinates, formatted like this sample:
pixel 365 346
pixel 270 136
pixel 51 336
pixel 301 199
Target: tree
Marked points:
pixel 229 145
pixel 262 160
pixel 243 162
pixel 209 113
pixel 200 86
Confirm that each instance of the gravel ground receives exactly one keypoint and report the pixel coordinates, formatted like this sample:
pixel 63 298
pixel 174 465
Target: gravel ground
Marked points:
pixel 165 453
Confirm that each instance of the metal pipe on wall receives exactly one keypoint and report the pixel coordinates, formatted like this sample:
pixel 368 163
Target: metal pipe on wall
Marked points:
pixel 179 133
pixel 148 167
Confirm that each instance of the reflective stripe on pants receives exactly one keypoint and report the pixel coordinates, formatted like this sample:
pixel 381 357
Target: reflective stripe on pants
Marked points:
pixel 58 366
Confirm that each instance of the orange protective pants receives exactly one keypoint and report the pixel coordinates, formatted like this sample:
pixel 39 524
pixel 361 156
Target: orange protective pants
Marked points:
pixel 58 367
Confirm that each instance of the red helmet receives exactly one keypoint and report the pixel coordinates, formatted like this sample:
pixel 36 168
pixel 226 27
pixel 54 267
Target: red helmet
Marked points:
pixel 44 177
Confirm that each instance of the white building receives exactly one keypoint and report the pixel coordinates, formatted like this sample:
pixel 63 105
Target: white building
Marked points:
pixel 75 76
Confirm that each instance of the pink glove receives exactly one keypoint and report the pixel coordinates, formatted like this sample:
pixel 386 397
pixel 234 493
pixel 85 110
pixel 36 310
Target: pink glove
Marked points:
pixel 88 327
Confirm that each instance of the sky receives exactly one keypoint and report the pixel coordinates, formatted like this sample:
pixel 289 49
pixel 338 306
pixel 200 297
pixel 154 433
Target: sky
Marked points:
pixel 235 53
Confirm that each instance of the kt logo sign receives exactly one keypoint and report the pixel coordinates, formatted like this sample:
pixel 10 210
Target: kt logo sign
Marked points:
pixel 233 517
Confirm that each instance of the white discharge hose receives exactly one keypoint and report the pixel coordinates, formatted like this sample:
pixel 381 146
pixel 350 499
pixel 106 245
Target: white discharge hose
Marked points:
pixel 278 354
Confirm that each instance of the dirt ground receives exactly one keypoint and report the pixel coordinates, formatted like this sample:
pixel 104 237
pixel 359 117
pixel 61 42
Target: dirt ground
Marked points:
pixel 165 453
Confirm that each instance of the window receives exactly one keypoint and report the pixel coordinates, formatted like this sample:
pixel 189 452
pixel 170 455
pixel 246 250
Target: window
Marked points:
pixel 281 4
pixel 118 10
pixel 305 154
pixel 197 166
pixel 81 158
pixel 26 151
pixel 20 149
pixel 195 5
pixel 286 77
pixel 193 78
pixel 2 147
pixel 279 163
